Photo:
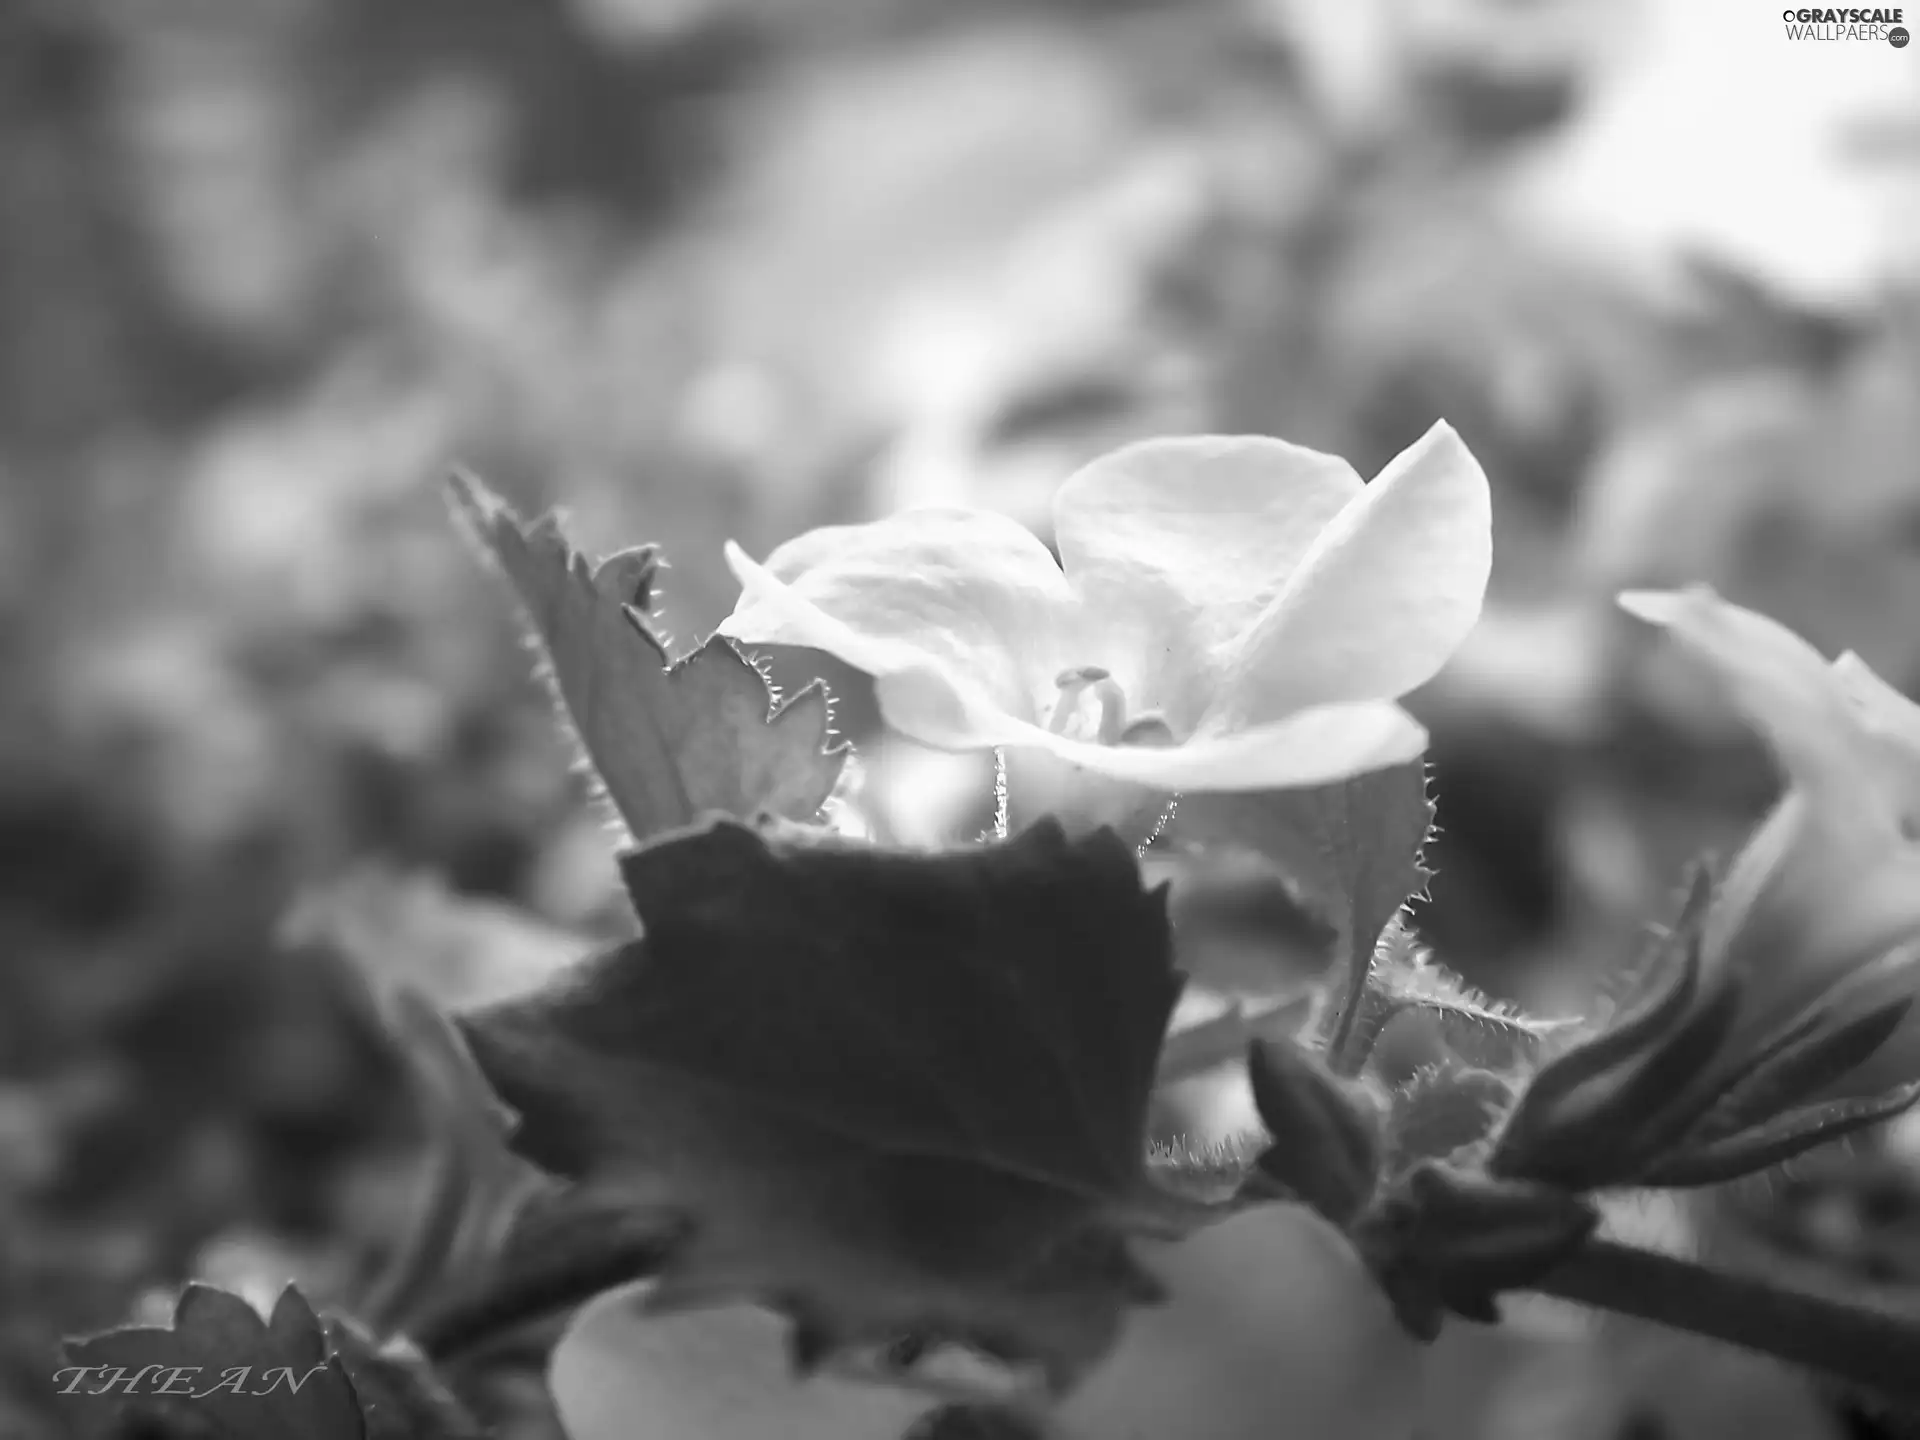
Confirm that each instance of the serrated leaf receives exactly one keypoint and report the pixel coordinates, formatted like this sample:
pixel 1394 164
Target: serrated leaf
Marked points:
pixel 1479 1031
pixel 245 1378
pixel 1442 1110
pixel 669 743
pixel 889 1091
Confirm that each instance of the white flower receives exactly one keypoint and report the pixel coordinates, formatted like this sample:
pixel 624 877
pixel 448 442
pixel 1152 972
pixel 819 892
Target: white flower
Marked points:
pixel 1228 613
pixel 1822 907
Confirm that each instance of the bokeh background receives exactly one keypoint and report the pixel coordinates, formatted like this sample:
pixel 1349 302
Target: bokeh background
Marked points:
pixel 710 268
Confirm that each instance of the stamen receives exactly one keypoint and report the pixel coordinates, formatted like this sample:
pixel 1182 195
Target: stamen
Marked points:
pixel 1107 695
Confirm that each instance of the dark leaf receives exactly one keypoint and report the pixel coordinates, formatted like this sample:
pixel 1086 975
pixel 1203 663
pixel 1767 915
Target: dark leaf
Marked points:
pixel 221 1370
pixel 668 743
pixel 1806 1058
pixel 400 1396
pixel 1584 1127
pixel 472 1183
pixel 890 1092
pixel 1325 1146
pixel 975 1422
pixel 1779 1139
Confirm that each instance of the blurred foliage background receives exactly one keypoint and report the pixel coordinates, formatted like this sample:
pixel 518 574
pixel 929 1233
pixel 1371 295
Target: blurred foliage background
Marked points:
pixel 711 268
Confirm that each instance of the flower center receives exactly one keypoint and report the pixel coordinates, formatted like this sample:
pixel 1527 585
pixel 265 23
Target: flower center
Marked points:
pixel 1092 706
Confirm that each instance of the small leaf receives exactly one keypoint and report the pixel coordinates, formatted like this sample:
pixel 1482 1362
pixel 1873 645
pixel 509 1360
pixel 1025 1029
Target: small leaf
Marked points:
pixel 890 1091
pixel 1484 1033
pixel 1442 1110
pixel 400 1396
pixel 1325 1146
pixel 668 743
pixel 219 1367
pixel 1353 849
pixel 1779 1139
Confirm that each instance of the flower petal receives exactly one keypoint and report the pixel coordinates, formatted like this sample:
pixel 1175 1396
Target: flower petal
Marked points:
pixel 974 592
pixel 1779 683
pixel 1311 747
pixel 1885 710
pixel 922 693
pixel 1177 544
pixel 620 1373
pixel 1388 590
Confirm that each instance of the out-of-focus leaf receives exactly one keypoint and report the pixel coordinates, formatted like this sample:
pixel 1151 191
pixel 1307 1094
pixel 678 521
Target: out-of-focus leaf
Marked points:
pixel 1224 1037
pixel 411 930
pixel 1325 1135
pixel 232 1375
pixel 669 742
pixel 1778 1139
pixel 1353 848
pixel 474 1185
pixel 400 1396
pixel 889 1091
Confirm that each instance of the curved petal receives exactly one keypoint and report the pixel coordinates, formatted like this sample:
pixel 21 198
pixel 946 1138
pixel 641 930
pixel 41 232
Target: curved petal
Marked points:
pixel 922 693
pixel 1177 544
pixel 1385 594
pixel 1311 747
pixel 1779 683
pixel 1883 709
pixel 974 592
pixel 1892 722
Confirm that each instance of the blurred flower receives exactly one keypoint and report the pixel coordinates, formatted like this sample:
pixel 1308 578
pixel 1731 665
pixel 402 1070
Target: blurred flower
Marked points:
pixel 1823 904
pixel 1227 613
pixel 1777 998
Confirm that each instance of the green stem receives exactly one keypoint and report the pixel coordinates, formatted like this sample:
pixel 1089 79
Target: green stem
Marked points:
pixel 1862 1345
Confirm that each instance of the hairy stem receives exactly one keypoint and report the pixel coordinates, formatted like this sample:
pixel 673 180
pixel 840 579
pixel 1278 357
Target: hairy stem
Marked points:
pixel 1863 1345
